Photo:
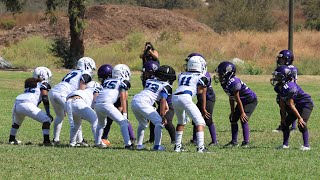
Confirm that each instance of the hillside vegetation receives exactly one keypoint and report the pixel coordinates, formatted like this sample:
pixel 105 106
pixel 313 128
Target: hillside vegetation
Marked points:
pixel 116 34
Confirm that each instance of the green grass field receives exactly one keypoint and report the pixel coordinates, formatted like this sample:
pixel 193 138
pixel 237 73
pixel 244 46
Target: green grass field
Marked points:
pixel 261 161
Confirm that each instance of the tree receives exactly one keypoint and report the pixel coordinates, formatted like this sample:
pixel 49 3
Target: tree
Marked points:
pixel 76 13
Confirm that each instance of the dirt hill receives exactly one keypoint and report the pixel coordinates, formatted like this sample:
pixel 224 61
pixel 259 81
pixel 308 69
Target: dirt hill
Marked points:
pixel 106 23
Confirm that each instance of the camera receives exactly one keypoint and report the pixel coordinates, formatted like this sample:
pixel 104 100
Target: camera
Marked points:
pixel 148 47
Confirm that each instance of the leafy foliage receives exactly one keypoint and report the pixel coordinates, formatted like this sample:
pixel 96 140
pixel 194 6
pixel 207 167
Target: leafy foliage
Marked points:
pixel 60 48
pixel 234 15
pixel 311 10
pixel 14 6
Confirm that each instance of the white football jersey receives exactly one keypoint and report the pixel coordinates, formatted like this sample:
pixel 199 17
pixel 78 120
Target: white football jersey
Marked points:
pixel 189 81
pixel 153 91
pixel 32 95
pixel 111 90
pixel 86 95
pixel 71 82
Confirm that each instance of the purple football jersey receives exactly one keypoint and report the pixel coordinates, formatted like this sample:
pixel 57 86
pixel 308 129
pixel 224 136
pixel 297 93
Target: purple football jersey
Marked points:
pixel 235 84
pixel 210 93
pixel 292 91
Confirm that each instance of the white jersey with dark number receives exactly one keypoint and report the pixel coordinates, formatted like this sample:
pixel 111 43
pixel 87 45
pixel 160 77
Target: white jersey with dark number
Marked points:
pixel 111 90
pixel 154 90
pixel 32 95
pixel 71 82
pixel 189 81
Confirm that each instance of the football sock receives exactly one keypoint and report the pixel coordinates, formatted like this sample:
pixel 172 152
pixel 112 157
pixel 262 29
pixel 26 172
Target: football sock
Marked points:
pixel 45 131
pixel 194 133
pixel 46 138
pixel 57 128
pixel 179 137
pixel 106 130
pixel 157 135
pixel 131 133
pixel 13 131
pixel 140 134
pixel 294 124
pixel 305 137
pixel 98 135
pixel 245 131
pixel 212 130
pixel 234 132
pixel 125 134
pixel 200 138
pixel 151 137
pixel 286 135
pixel 79 134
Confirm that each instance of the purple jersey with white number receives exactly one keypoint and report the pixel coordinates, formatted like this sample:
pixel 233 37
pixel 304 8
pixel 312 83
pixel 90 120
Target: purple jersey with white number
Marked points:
pixel 235 84
pixel 210 93
pixel 292 91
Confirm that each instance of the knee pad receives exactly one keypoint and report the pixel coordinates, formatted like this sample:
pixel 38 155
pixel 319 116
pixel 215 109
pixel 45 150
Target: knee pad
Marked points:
pixel 15 126
pixel 46 125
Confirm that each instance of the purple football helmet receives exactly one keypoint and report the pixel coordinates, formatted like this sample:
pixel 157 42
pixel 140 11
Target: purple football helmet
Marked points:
pixel 104 72
pixel 224 72
pixel 148 70
pixel 282 74
pixel 285 57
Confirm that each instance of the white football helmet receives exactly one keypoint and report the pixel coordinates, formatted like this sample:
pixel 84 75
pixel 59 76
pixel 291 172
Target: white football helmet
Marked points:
pixel 121 71
pixel 197 64
pixel 95 86
pixel 42 73
pixel 86 64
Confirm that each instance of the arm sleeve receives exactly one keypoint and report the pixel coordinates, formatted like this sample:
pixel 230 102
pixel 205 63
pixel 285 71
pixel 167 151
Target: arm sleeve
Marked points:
pixel 86 78
pixel 203 81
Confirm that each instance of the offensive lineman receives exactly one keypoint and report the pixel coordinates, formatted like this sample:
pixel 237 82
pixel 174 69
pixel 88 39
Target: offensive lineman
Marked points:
pixel 114 87
pixel 74 80
pixel 36 90
pixel 157 89
pixel 79 106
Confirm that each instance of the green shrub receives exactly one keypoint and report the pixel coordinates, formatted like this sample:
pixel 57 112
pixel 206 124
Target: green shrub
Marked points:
pixel 8 24
pixel 60 48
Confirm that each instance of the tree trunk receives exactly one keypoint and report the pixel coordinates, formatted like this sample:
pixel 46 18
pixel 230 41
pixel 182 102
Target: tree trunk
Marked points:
pixel 76 12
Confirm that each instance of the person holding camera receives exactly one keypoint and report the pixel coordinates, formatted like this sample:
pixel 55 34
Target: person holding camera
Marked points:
pixel 149 53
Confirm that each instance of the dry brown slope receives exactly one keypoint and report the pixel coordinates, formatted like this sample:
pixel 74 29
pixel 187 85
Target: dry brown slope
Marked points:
pixel 106 23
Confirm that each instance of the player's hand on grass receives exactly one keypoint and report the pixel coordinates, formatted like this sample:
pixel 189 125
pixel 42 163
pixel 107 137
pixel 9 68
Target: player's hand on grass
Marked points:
pixel 164 121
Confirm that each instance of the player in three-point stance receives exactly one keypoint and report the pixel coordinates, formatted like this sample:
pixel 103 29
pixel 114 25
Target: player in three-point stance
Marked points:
pixel 157 89
pixel 105 72
pixel 74 80
pixel 26 104
pixel 79 106
pixel 240 93
pixel 300 104
pixel 191 83
pixel 113 88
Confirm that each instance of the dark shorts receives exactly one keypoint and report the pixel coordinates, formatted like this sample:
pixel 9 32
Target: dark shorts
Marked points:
pixel 248 109
pixel 304 112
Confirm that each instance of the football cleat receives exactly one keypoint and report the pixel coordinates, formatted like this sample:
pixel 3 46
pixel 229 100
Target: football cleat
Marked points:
pixel 245 144
pixel 283 147
pixel 305 148
pixel 130 147
pixel 47 143
pixel 179 148
pixel 158 148
pixel 231 144
pixel 106 142
pixel 213 144
pixel 140 147
pixel 55 143
pixel 202 149
pixel 15 142
pixel 277 130
pixel 83 144
pixel 101 146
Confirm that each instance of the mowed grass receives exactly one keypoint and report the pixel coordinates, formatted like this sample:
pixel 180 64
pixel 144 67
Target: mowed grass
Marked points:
pixel 261 161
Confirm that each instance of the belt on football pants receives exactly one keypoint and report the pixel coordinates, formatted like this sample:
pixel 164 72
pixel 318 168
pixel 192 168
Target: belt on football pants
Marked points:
pixel 75 97
pixel 184 92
